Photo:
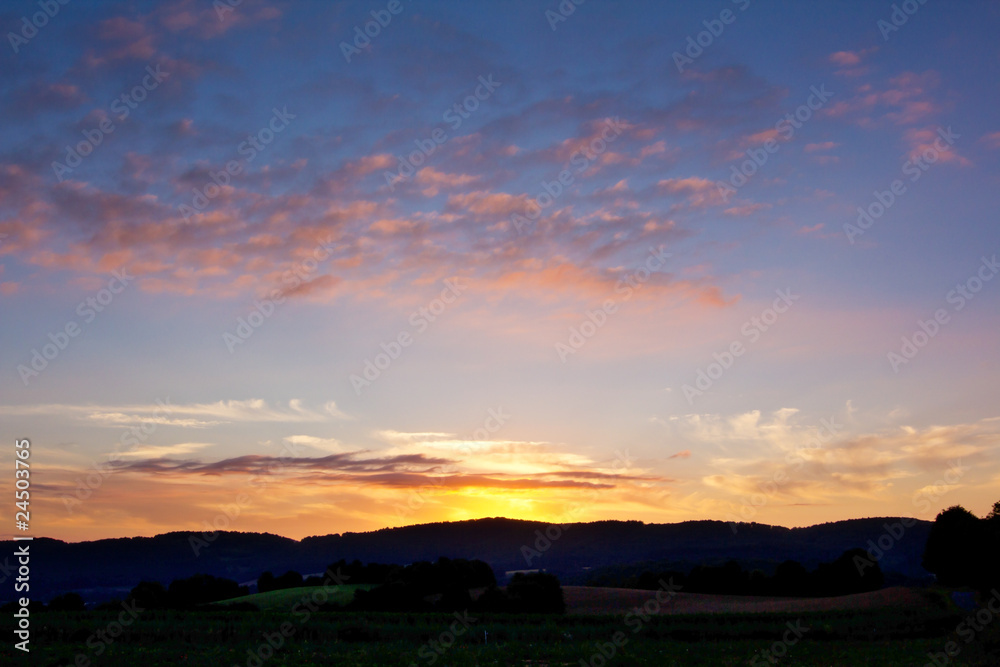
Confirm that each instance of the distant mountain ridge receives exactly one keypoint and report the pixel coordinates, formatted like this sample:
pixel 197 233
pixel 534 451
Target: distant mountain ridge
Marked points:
pixel 106 568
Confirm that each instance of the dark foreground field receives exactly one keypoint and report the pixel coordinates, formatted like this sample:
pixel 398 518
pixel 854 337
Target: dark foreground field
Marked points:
pixel 898 628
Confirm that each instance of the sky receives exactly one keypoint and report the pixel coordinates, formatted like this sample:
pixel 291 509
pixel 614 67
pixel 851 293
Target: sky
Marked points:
pixel 309 268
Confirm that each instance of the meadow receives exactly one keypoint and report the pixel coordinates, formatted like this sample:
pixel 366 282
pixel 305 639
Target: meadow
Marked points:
pixel 891 635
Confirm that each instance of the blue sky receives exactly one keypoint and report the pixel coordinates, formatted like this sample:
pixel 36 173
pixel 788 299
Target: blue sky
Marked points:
pixel 319 220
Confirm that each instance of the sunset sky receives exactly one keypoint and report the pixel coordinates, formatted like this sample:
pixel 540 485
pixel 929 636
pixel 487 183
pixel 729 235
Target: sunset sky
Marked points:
pixel 498 261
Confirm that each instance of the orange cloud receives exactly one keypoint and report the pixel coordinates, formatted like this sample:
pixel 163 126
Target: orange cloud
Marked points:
pixel 488 204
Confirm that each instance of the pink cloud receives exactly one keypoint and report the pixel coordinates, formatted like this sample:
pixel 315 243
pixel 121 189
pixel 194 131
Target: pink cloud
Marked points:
pixel 369 164
pixel 433 180
pixel 744 210
pixel 850 62
pixel 822 146
pixel 488 204
pixel 908 99
pixel 761 137
pixel 928 141
pixel 323 283
pixel 701 192
pixel 653 149
pixel 809 230
pixel 992 140
pixel 214 19
pixel 845 58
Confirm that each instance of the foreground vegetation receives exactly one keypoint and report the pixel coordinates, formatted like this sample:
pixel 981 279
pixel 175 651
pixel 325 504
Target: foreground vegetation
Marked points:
pixel 170 637
pixel 286 598
pixel 426 614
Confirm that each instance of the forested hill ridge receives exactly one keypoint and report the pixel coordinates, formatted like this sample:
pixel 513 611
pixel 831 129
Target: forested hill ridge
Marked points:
pixel 572 551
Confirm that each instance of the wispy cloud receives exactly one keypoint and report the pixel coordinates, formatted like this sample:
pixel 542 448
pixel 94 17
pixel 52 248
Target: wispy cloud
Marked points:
pixel 191 415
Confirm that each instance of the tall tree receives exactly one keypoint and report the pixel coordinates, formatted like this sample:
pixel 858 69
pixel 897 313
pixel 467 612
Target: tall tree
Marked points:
pixel 955 545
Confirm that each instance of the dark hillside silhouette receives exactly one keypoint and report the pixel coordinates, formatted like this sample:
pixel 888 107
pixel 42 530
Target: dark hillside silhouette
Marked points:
pixel 841 577
pixel 107 569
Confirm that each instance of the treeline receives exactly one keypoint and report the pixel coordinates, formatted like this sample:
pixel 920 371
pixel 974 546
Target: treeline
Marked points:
pixel 445 585
pixel 355 572
pixel 964 550
pixel 790 578
pixel 475 572
pixel 430 587
pixel 187 593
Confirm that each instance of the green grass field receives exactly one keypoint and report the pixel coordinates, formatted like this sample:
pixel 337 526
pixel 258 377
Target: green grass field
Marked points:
pixel 217 637
pixel 288 597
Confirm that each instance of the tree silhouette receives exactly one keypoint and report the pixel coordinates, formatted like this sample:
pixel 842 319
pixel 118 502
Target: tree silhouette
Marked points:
pixel 67 602
pixel 150 595
pixel 960 548
pixel 536 592
pixel 202 589
pixel 843 576
pixel 790 578
pixel 265 582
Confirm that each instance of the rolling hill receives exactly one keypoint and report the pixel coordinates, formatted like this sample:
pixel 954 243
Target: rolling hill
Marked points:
pixel 108 568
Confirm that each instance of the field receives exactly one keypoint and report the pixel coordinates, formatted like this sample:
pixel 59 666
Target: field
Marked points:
pixel 588 600
pixel 286 598
pixel 893 627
